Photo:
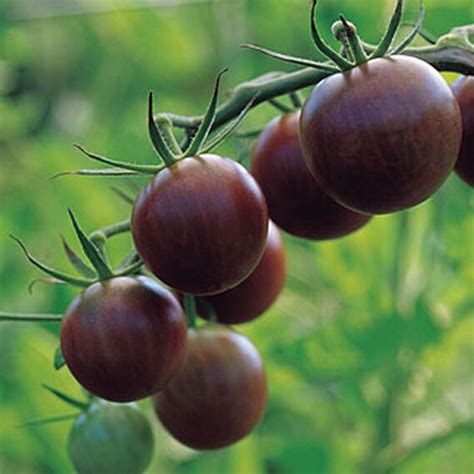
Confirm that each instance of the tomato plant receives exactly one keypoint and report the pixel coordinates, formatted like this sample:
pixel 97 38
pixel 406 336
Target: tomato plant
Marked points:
pixel 111 439
pixel 123 339
pixel 256 293
pixel 463 89
pixel 295 200
pixel 380 132
pixel 220 393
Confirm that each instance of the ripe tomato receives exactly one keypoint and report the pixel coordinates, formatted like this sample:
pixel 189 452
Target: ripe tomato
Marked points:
pixel 258 291
pixel 201 224
pixel 220 393
pixel 463 89
pixel 111 439
pixel 382 136
pixel 295 201
pixel 123 339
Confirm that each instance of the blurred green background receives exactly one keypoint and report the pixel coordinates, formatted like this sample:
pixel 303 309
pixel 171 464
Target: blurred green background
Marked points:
pixel 369 349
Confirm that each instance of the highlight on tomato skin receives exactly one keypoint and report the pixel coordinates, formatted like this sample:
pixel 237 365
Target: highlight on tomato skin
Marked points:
pixel 111 439
pixel 463 89
pixel 123 339
pixel 220 393
pixel 382 136
pixel 257 292
pixel 296 202
pixel 201 225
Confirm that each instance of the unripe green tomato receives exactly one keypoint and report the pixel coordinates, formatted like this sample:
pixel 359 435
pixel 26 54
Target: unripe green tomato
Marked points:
pixel 111 438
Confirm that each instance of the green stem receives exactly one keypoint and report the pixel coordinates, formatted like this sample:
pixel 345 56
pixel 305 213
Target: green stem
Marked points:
pixel 190 309
pixel 445 56
pixel 353 40
pixel 297 99
pixel 31 318
pixel 110 230
pixel 166 129
pixel 284 109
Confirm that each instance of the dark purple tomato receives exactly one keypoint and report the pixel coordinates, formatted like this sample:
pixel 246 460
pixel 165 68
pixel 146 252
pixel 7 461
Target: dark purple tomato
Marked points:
pixel 295 201
pixel 123 339
pixel 201 225
pixel 463 89
pixel 111 439
pixel 220 393
pixel 383 136
pixel 257 292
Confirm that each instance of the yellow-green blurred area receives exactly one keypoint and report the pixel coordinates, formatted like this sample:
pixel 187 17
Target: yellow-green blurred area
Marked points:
pixel 369 349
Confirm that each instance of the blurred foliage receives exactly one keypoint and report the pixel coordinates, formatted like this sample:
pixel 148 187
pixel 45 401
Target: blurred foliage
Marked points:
pixel 369 350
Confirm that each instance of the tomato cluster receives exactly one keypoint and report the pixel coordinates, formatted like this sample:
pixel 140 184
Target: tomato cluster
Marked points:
pixel 202 227
pixel 378 135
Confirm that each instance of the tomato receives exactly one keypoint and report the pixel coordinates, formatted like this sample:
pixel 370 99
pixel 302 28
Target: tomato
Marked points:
pixel 382 136
pixel 220 393
pixel 201 225
pixel 463 89
pixel 295 201
pixel 257 292
pixel 123 339
pixel 111 439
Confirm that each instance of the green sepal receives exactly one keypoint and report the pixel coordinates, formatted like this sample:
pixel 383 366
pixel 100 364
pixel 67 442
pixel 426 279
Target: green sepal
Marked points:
pixel 46 280
pixel 58 360
pixel 129 270
pixel 291 59
pixel 91 251
pixel 207 122
pixel 50 271
pixel 321 45
pixel 159 143
pixel 66 398
pixel 414 32
pixel 144 169
pixel 391 32
pixel 99 172
pixel 130 259
pixel 77 261
pixel 123 195
pixel 229 129
pixel 48 420
pixel 31 318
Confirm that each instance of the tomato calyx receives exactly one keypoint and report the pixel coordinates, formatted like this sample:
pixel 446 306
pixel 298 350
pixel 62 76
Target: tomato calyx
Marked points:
pixel 160 130
pixel 354 52
pixel 97 268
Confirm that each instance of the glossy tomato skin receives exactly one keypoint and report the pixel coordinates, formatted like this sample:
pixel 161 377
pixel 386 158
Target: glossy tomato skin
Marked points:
pixel 123 339
pixel 383 136
pixel 220 393
pixel 201 225
pixel 463 89
pixel 257 292
pixel 111 439
pixel 296 203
